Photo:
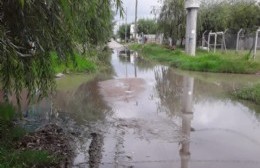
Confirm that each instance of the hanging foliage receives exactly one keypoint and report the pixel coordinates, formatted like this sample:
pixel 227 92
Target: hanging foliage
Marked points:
pixel 31 29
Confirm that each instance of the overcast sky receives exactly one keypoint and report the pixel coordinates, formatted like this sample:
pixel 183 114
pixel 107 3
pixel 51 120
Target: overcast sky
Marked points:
pixel 144 9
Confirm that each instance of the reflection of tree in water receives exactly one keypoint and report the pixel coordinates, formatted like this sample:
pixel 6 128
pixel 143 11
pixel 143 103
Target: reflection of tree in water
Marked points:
pixel 83 104
pixel 141 63
pixel 124 59
pixel 144 65
pixel 169 89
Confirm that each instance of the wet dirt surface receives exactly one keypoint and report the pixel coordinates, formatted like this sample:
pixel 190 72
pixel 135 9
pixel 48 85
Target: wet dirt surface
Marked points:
pixel 50 138
pixel 152 116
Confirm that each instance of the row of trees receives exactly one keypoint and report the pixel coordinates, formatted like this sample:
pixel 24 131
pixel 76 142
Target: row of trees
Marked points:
pixel 146 26
pixel 31 29
pixel 229 14
pixel 213 15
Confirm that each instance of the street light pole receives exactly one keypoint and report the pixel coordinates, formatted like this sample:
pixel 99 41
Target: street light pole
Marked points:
pixel 192 7
pixel 125 25
pixel 135 30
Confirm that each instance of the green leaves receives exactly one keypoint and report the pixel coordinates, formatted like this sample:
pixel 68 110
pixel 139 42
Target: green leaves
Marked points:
pixel 230 14
pixel 147 26
pixel 172 19
pixel 122 29
pixel 30 29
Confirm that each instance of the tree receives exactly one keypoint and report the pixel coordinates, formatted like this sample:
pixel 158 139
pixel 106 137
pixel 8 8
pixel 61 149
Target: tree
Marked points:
pixel 213 16
pixel 245 14
pixel 31 29
pixel 121 31
pixel 147 26
pixel 218 16
pixel 172 19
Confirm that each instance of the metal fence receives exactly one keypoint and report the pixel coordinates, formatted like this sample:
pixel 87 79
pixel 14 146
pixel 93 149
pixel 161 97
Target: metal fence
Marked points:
pixel 242 41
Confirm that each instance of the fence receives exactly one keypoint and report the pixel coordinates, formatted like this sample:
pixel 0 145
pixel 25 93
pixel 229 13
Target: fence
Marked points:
pixel 242 41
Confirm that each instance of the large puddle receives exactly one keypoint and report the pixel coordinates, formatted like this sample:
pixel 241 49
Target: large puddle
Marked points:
pixel 153 116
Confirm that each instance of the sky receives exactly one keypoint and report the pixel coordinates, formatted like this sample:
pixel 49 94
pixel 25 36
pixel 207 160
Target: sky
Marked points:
pixel 144 9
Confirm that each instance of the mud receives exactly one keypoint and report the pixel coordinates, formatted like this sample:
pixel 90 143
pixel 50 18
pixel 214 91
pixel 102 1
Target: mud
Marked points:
pixel 95 150
pixel 50 138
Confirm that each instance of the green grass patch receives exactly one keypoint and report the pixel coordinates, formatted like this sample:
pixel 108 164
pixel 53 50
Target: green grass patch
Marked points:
pixel 23 159
pixel 79 64
pixel 203 61
pixel 250 94
pixel 10 134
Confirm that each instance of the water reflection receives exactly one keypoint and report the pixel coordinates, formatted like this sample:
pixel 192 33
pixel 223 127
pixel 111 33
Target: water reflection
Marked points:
pixel 127 58
pixel 176 99
pixel 169 88
pixel 187 116
pixel 82 104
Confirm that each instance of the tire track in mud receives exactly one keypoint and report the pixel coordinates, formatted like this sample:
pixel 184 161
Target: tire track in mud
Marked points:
pixel 121 159
pixel 95 150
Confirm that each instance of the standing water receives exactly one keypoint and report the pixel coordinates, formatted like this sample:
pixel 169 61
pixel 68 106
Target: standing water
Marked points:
pixel 152 116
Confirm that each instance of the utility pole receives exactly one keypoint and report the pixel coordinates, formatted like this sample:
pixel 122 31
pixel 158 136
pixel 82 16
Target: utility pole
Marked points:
pixel 135 31
pixel 125 24
pixel 192 7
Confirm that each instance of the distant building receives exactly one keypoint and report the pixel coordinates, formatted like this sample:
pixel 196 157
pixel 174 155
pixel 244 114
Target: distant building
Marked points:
pixel 132 30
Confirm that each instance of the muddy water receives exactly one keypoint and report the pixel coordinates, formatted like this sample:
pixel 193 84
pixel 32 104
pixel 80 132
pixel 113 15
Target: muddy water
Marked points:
pixel 161 117
pixel 152 116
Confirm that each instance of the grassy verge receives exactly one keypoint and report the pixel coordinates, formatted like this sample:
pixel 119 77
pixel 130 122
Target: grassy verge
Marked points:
pixel 10 135
pixel 80 64
pixel 103 69
pixel 250 94
pixel 204 61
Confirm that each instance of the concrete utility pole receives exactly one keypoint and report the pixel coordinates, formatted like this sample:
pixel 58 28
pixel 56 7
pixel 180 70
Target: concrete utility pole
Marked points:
pixel 256 40
pixel 192 7
pixel 125 25
pixel 135 31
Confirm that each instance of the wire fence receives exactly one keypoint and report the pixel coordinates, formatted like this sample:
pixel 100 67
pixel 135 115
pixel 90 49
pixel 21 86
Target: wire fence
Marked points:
pixel 243 42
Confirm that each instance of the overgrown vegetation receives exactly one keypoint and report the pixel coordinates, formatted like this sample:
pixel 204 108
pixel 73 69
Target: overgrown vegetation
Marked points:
pixel 250 94
pixel 204 61
pixel 10 135
pixel 30 30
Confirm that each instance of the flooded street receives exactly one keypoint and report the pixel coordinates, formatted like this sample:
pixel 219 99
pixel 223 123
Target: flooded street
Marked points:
pixel 152 116
pixel 162 118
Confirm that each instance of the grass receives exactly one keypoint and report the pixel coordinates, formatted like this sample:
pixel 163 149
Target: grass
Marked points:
pixel 250 94
pixel 10 134
pixel 204 61
pixel 101 59
pixel 80 64
pixel 23 159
